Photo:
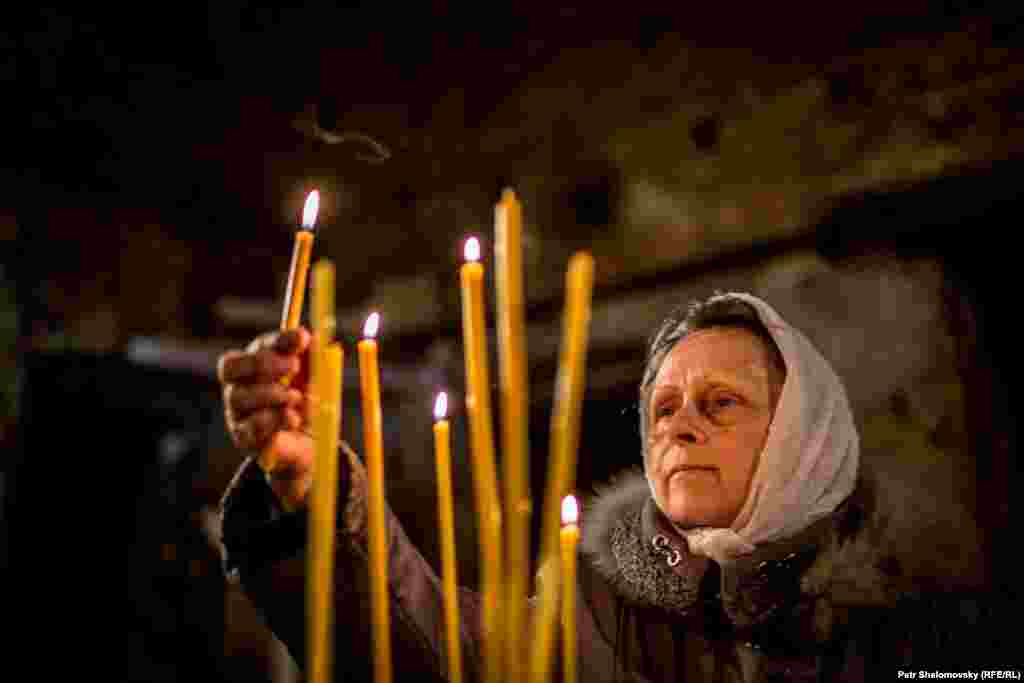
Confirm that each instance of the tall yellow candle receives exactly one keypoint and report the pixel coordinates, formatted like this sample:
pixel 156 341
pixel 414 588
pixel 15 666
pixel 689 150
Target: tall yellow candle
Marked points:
pixel 446 521
pixel 295 291
pixel 478 407
pixel 570 536
pixel 325 408
pixel 323 510
pixel 508 228
pixel 565 426
pixel 369 376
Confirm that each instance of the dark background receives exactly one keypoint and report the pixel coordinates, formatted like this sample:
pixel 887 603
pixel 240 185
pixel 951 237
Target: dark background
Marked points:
pixel 156 163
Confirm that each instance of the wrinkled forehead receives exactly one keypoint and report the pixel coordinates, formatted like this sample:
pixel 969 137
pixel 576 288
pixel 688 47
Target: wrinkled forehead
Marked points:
pixel 718 352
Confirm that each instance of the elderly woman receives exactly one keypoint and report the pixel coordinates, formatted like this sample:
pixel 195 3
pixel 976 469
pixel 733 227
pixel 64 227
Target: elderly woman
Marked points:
pixel 746 550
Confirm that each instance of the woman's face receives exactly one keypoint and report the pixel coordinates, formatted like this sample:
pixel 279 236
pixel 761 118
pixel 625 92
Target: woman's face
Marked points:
pixel 711 404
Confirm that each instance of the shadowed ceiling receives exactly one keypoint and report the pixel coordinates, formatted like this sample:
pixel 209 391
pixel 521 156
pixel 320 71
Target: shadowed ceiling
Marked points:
pixel 211 122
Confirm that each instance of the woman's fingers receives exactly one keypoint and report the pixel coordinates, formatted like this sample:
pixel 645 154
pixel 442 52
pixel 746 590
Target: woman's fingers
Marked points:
pixel 242 399
pixel 267 358
pixel 256 430
pixel 258 406
pixel 294 419
pixel 253 367
pixel 291 342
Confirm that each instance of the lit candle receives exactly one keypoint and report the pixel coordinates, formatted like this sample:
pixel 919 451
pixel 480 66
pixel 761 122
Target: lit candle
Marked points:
pixel 514 402
pixel 446 521
pixel 478 407
pixel 296 288
pixel 570 536
pixel 326 380
pixel 565 427
pixel 369 376
pixel 295 291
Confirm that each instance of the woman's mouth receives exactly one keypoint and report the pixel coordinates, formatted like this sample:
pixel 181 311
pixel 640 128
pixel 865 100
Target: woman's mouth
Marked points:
pixel 688 471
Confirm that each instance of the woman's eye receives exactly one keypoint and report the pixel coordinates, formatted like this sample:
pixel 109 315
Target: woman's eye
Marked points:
pixel 724 402
pixel 665 410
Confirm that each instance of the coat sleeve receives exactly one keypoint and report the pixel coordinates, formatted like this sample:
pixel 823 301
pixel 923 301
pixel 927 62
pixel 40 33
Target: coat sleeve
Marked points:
pixel 264 551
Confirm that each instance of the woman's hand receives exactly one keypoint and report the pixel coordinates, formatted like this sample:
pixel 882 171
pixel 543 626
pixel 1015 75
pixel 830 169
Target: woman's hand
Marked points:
pixel 265 414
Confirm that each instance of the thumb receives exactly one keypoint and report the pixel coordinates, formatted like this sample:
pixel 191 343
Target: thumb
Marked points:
pixel 292 475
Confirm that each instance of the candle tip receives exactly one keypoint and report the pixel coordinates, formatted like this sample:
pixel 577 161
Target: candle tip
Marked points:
pixel 472 251
pixel 570 510
pixel 508 195
pixel 372 323
pixel 311 208
pixel 441 406
pixel 582 260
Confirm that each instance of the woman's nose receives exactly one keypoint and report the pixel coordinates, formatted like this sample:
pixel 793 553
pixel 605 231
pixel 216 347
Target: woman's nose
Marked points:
pixel 687 426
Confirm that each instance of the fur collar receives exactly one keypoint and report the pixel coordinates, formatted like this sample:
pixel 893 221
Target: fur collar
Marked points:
pixel 648 563
pixel 851 558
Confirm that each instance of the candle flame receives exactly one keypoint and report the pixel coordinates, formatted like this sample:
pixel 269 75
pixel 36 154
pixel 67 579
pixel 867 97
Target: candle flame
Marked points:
pixel 310 210
pixel 472 251
pixel 372 323
pixel 570 510
pixel 441 406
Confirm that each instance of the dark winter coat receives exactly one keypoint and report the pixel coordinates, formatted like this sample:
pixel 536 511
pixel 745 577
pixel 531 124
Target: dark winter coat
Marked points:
pixel 823 606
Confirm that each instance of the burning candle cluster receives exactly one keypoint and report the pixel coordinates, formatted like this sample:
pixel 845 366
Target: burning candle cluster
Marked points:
pixel 516 644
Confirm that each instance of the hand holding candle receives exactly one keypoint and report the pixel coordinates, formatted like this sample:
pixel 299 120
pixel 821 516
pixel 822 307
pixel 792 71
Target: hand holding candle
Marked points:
pixel 369 375
pixel 295 292
pixel 446 520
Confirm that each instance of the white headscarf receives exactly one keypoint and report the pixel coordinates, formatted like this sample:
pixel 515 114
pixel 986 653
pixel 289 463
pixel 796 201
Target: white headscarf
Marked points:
pixel 810 458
